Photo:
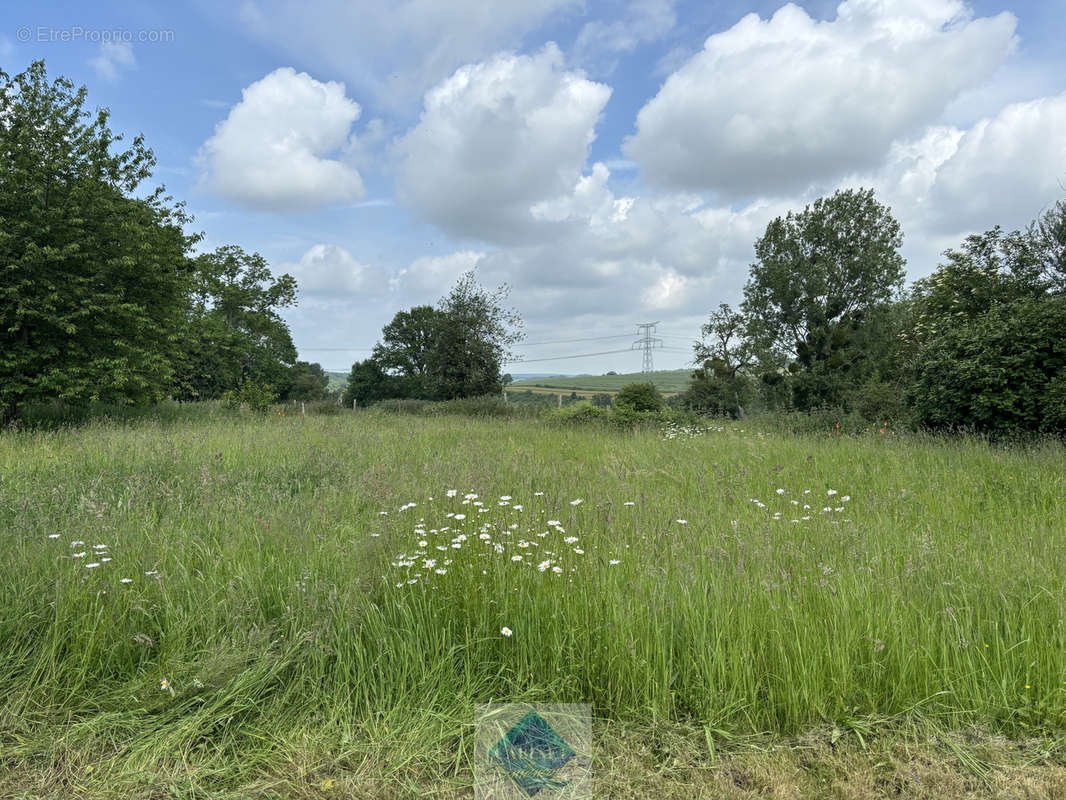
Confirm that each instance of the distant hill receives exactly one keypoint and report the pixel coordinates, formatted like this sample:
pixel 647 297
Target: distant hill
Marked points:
pixel 337 380
pixel 670 381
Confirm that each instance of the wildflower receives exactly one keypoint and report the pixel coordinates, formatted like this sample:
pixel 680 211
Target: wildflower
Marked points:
pixel 92 565
pixel 80 555
pixel 538 494
pixel 506 631
pixel 553 523
pixel 570 539
pixel 105 558
pixel 614 561
pixel 440 571
pixel 557 570
pixel 516 558
pixel 543 565
pixel 579 551
pixel 53 536
pixel 151 572
pixel 845 498
pixel 517 507
pixel 164 684
pixel 682 522
pixel 423 543
pixel 780 491
pixel 460 516
pixel 629 503
pixel 577 502
pixel 452 492
pixel 77 543
pixel 505 497
pixel 831 493
pixel 125 580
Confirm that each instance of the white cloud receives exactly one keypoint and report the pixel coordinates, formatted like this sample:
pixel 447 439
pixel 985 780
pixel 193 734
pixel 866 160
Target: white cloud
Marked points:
pixel 643 21
pixel 497 138
pixel 770 106
pixel 428 278
pixel 395 51
pixel 1006 169
pixel 278 148
pixel 330 269
pixel 112 58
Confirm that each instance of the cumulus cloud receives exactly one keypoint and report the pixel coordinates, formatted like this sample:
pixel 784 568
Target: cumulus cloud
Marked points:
pixel 395 51
pixel 770 106
pixel 428 278
pixel 330 269
pixel 279 147
pixel 495 139
pixel 1006 169
pixel 642 21
pixel 112 58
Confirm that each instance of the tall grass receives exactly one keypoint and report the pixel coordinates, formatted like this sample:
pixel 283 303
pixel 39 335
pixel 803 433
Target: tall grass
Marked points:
pixel 272 623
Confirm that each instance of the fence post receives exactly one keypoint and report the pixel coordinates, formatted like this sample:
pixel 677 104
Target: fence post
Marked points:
pixel 559 399
pixel 303 411
pixel 354 401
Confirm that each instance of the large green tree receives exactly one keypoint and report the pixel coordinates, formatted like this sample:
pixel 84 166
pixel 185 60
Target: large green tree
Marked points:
pixel 818 276
pixel 92 276
pixel 989 333
pixel 454 350
pixel 234 333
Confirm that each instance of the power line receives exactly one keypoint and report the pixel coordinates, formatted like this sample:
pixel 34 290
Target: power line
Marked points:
pixel 570 341
pixel 562 358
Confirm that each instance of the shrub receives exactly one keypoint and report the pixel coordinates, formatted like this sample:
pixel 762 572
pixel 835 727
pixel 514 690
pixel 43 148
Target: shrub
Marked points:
pixel 580 414
pixel 250 395
pixel 639 397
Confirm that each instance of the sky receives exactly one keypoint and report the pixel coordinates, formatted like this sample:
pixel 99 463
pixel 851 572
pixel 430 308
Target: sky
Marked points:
pixel 611 161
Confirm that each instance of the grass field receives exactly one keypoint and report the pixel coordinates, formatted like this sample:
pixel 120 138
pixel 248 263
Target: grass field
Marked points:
pixel 667 381
pixel 233 606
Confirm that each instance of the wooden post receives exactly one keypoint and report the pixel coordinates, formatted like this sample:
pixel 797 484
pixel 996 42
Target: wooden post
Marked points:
pixel 303 411
pixel 354 401
pixel 559 398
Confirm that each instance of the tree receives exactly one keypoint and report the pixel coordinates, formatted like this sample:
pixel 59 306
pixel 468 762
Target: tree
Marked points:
pixel 989 333
pixel 92 278
pixel 989 270
pixel 234 333
pixel 407 350
pixel 307 382
pixel 1000 372
pixel 368 383
pixel 639 397
pixel 723 357
pixel 818 276
pixel 474 336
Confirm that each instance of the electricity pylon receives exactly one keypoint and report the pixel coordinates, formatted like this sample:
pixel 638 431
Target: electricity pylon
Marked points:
pixel 647 342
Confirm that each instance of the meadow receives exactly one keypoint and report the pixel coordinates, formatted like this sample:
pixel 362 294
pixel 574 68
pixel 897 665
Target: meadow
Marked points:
pixel 217 604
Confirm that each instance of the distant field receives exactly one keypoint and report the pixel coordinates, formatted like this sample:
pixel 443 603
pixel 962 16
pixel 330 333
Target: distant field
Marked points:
pixel 668 381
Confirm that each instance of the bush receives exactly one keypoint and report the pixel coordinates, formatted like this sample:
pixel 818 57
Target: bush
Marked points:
pixel 250 395
pixel 580 414
pixel 639 397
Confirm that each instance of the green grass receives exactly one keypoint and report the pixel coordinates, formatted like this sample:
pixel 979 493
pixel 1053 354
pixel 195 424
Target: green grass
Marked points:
pixel 934 602
pixel 670 381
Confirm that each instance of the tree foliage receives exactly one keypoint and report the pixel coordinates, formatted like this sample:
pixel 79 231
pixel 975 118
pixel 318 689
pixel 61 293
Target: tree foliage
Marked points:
pixel 454 350
pixel 234 333
pixel 817 278
pixel 92 278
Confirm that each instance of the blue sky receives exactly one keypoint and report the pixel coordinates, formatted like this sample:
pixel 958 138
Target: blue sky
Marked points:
pixel 612 162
